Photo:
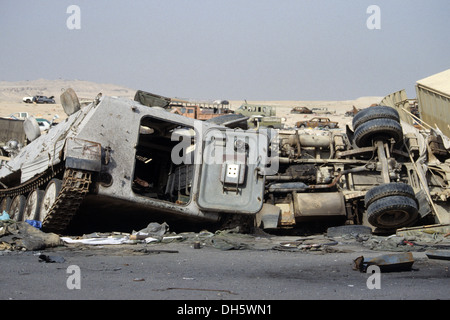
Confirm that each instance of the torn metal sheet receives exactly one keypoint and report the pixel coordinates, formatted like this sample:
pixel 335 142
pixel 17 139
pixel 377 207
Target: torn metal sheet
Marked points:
pixel 386 263
pixel 438 254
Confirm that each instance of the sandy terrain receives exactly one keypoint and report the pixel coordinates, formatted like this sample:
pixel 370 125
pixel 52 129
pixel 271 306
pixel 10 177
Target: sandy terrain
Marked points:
pixel 11 94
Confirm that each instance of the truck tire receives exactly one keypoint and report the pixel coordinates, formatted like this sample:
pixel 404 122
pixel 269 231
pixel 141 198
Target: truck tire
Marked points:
pixel 377 129
pixel 392 212
pixel 377 112
pixel 389 189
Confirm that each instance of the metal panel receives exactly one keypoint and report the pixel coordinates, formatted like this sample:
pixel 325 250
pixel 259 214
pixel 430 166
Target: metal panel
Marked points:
pixel 434 109
pixel 32 168
pixel 399 101
pixel 229 180
pixel 83 154
pixel 434 100
pixel 319 204
pixel 11 130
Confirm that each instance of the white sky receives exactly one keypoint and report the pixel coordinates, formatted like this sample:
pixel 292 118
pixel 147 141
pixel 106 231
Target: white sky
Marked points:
pixel 229 49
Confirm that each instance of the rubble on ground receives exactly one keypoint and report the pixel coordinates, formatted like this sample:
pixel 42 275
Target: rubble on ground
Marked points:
pixel 22 236
pixel 19 235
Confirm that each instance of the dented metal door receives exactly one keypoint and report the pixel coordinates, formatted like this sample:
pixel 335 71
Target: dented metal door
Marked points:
pixel 231 179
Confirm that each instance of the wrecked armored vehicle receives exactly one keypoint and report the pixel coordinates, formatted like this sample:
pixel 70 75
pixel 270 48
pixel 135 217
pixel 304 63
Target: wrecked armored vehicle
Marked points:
pixel 125 156
pixel 182 168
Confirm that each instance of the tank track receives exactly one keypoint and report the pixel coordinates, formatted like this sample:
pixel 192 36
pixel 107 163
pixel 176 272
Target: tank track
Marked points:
pixel 75 186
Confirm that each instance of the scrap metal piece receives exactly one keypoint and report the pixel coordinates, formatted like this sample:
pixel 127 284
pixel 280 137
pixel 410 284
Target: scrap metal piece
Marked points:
pixel 386 263
pixel 70 101
pixel 438 254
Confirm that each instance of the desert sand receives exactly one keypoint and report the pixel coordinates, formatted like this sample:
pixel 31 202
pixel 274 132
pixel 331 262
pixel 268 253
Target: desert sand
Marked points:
pixel 11 94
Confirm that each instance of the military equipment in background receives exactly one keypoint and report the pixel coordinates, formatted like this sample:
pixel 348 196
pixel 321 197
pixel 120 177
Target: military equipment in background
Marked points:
pixel 301 110
pixel 261 116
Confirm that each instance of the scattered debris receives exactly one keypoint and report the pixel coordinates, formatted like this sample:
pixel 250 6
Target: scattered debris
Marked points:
pixel 438 254
pixel 51 259
pixel 111 240
pixel 300 110
pixel 4 216
pixel 19 235
pixel 339 231
pixel 153 229
pixel 429 233
pixel 386 263
pixel 352 112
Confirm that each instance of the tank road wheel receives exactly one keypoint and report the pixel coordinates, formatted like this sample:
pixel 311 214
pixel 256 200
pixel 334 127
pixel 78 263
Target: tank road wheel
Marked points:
pixel 377 112
pixel 378 129
pixel 392 212
pixel 17 208
pixel 33 205
pixel 5 205
pixel 49 198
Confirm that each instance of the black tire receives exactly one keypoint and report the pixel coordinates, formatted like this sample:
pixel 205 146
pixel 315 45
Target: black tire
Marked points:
pixel 377 129
pixel 17 207
pixel 392 212
pixel 389 189
pixel 371 113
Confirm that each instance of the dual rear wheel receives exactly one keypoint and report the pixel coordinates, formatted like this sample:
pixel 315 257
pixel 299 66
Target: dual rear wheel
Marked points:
pixel 389 205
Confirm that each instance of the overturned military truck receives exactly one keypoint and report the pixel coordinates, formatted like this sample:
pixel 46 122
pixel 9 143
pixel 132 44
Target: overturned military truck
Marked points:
pixel 117 154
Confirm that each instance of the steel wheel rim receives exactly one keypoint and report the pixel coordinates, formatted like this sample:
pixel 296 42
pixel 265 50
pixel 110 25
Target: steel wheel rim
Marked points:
pixel 49 199
pixel 31 206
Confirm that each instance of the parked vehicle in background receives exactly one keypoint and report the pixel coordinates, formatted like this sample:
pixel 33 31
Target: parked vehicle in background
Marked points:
pixel 321 111
pixel 317 122
pixel 39 99
pixel 261 116
pixel 18 116
pixel 301 110
pixel 256 110
pixel 44 124
pixel 197 112
pixel 265 122
pixel 28 99
pixel 44 99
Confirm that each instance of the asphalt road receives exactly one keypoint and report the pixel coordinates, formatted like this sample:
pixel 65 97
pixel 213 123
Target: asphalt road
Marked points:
pixel 183 273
